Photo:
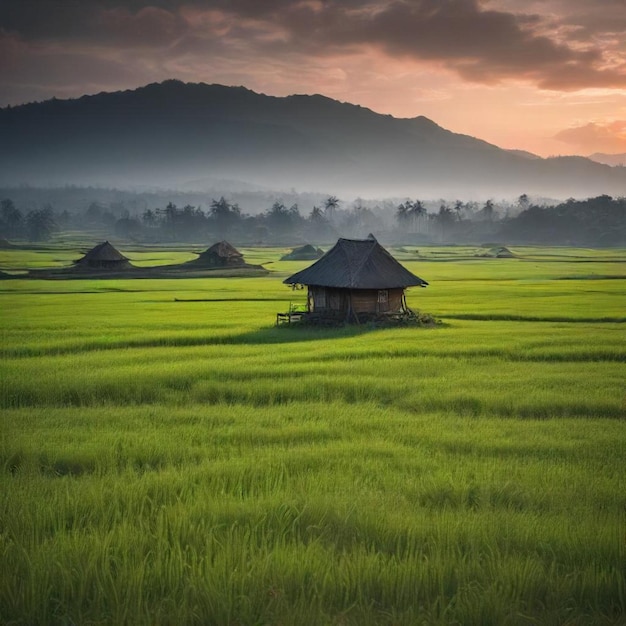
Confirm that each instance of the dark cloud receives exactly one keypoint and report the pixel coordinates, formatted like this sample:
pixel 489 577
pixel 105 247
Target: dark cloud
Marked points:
pixel 107 23
pixel 45 19
pixel 554 44
pixel 456 31
pixel 481 45
pixel 150 26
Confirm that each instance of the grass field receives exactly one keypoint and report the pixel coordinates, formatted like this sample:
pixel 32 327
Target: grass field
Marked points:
pixel 168 456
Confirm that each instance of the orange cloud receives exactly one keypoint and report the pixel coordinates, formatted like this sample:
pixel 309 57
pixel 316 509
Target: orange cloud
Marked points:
pixel 609 137
pixel 483 42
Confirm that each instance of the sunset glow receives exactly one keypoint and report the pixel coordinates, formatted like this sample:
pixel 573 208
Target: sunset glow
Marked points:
pixel 547 76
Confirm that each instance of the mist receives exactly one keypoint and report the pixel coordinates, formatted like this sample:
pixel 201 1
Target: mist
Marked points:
pixel 273 219
pixel 210 138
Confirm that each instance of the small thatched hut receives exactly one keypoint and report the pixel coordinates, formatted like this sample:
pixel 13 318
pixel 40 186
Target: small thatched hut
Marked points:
pixel 104 256
pixel 356 279
pixel 220 254
pixel 503 253
pixel 303 253
pixel 499 252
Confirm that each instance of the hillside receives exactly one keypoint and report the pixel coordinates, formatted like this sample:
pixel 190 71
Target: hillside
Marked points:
pixel 171 133
pixel 609 159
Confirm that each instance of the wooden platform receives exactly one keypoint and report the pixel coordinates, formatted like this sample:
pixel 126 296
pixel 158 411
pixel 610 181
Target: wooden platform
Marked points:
pixel 294 315
pixel 288 318
pixel 339 318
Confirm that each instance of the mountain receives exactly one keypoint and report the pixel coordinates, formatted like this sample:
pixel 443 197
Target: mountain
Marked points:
pixel 525 154
pixel 170 133
pixel 609 159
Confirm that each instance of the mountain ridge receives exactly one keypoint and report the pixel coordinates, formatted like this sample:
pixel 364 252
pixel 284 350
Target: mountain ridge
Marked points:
pixel 612 159
pixel 172 132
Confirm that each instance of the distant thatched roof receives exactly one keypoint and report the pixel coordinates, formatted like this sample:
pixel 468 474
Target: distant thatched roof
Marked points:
pixel 503 253
pixel 499 252
pixel 219 255
pixel 357 264
pixel 222 249
pixel 103 253
pixel 303 253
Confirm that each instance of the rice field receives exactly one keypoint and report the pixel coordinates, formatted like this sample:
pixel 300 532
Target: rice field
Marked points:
pixel 168 456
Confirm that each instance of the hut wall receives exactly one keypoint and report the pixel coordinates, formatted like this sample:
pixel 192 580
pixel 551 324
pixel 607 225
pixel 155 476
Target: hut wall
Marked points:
pixel 358 300
pixel 377 300
pixel 327 299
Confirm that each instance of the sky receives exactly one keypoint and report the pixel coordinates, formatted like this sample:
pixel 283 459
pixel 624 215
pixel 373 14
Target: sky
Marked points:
pixel 546 76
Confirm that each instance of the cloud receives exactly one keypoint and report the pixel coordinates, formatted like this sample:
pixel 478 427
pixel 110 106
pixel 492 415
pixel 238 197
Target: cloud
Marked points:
pixel 481 45
pixel 593 137
pixel 553 44
pixel 150 26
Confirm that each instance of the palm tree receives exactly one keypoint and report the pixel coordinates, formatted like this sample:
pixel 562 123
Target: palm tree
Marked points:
pixel 458 207
pixel 416 212
pixel 330 206
pixel 316 214
pixel 402 213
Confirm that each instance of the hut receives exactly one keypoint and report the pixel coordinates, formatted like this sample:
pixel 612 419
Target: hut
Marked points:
pixel 104 256
pixel 499 252
pixel 356 279
pixel 221 254
pixel 503 253
pixel 303 253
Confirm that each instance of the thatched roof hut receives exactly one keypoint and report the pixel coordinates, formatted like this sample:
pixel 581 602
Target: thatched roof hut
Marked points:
pixel 499 252
pixel 303 253
pixel 104 256
pixel 503 253
pixel 221 254
pixel 354 279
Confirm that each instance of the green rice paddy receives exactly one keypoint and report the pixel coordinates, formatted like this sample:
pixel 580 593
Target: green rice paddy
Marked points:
pixel 168 456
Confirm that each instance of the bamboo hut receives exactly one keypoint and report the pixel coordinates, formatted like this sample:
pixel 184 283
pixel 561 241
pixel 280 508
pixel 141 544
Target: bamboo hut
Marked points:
pixel 356 280
pixel 104 256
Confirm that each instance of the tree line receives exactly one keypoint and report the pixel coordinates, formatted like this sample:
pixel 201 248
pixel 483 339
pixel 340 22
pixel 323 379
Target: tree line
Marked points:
pixel 223 219
pixel 595 221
